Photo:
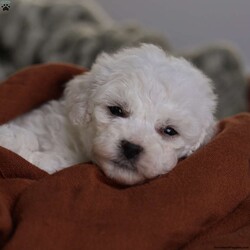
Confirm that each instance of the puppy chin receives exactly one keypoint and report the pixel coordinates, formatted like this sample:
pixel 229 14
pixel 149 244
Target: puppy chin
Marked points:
pixel 121 175
pixel 127 176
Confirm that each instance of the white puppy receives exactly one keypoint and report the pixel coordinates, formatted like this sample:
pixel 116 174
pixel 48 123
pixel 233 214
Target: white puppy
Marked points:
pixel 134 114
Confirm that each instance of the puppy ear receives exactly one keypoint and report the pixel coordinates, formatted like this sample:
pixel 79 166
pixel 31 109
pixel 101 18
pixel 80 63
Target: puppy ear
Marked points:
pixel 206 135
pixel 210 132
pixel 79 90
pixel 76 96
pixel 103 67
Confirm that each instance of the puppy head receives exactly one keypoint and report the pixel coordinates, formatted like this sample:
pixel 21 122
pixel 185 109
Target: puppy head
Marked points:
pixel 138 111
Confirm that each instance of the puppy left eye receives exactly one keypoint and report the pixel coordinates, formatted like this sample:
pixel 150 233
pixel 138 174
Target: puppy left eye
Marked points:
pixel 117 111
pixel 169 131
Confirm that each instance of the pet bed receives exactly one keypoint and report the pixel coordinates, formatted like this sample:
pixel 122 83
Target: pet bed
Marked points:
pixel 203 203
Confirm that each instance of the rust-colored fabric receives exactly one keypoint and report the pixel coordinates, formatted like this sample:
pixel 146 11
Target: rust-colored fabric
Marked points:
pixel 248 95
pixel 203 203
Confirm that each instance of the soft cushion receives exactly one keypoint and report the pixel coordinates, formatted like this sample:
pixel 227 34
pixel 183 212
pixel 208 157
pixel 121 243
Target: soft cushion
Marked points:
pixel 203 203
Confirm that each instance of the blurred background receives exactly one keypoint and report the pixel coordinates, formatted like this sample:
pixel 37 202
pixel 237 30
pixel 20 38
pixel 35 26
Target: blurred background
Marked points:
pixel 213 35
pixel 190 23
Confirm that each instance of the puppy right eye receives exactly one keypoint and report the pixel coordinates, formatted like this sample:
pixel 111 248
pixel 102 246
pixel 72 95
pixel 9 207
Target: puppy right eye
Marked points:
pixel 117 111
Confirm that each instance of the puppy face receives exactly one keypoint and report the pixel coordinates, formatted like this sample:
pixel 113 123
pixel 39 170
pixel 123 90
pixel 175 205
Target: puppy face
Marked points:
pixel 139 111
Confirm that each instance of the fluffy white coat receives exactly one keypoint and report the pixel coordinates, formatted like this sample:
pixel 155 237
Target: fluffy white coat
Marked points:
pixel 153 92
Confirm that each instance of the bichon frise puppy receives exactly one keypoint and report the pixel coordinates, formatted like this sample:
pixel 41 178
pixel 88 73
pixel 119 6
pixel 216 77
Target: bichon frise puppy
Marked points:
pixel 134 114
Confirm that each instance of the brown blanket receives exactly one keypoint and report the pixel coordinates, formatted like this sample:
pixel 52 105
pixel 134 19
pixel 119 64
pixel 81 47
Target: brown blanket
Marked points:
pixel 203 203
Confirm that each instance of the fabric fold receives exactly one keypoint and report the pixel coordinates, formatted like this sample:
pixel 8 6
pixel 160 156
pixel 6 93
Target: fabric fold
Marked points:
pixel 203 203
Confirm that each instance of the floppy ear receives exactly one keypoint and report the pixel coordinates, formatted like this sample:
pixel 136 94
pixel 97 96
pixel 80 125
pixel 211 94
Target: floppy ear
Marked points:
pixel 102 68
pixel 78 91
pixel 76 96
pixel 207 134
pixel 210 132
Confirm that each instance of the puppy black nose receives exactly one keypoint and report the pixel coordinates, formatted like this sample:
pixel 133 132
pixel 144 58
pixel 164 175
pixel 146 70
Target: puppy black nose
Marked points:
pixel 130 150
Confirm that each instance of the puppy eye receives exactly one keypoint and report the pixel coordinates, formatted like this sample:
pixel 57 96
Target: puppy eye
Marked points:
pixel 117 111
pixel 169 131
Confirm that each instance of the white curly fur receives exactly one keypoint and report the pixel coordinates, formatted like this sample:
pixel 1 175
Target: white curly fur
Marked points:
pixel 155 91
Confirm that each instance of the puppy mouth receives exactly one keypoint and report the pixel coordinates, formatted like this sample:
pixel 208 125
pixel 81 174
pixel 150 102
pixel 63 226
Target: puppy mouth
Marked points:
pixel 126 165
